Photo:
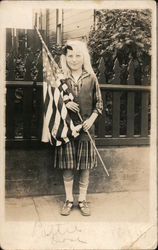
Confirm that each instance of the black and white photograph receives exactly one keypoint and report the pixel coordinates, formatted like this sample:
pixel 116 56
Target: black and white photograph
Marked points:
pixel 78 125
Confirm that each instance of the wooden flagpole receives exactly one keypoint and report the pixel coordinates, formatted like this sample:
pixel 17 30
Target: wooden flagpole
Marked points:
pixel 49 54
pixel 45 46
pixel 95 147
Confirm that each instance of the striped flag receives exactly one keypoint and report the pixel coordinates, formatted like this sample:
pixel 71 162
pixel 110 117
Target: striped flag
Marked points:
pixel 57 123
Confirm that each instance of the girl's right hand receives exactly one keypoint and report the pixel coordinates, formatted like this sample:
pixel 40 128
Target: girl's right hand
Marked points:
pixel 73 106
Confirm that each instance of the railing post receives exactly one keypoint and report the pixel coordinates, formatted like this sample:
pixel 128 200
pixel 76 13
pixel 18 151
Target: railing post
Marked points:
pixel 10 118
pixel 101 68
pixel 101 119
pixel 39 110
pixel 27 111
pixel 144 107
pixel 130 102
pixel 116 102
pixel 144 114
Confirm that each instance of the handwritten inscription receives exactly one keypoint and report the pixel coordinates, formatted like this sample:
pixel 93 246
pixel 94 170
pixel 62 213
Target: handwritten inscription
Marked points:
pixel 58 233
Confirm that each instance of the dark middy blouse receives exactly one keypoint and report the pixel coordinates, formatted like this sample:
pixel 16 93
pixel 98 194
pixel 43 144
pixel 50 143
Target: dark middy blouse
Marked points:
pixel 87 94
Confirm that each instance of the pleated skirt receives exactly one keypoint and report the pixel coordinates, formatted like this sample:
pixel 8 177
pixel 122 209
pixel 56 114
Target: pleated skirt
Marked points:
pixel 75 154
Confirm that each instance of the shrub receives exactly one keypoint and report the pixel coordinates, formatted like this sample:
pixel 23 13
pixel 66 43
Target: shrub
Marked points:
pixel 123 34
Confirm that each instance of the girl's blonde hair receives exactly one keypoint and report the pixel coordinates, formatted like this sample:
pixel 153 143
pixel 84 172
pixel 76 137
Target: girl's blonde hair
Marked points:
pixel 86 58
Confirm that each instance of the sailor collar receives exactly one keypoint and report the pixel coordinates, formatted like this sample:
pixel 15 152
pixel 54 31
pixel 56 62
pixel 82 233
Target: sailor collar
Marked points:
pixel 83 75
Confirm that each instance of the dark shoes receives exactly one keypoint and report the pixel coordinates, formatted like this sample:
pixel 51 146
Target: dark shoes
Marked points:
pixel 83 206
pixel 68 205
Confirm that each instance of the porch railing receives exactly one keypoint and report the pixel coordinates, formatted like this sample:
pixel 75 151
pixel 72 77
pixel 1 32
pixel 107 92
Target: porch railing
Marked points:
pixel 126 97
pixel 24 115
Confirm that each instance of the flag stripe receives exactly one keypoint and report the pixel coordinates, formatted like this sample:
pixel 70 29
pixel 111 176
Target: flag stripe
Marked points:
pixel 55 92
pixel 46 103
pixel 52 115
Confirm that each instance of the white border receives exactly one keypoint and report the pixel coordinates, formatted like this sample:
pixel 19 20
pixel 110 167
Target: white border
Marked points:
pixel 98 235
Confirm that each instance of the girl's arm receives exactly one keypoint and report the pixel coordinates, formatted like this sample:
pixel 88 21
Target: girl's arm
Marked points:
pixel 68 99
pixel 73 106
pixel 97 99
pixel 89 122
pixel 98 106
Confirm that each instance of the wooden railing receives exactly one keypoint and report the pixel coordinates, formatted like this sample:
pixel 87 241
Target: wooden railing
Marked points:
pixel 129 137
pixel 24 115
pixel 126 95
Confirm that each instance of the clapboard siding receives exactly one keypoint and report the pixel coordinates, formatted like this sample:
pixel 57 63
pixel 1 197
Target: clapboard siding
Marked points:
pixel 77 23
pixel 76 33
pixel 43 19
pixel 74 23
pixel 80 14
pixel 52 19
pixel 39 18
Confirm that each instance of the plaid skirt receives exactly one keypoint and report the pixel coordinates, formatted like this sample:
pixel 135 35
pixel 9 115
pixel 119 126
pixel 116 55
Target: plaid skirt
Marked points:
pixel 75 154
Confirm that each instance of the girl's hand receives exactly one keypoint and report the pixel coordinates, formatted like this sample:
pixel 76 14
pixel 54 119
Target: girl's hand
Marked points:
pixel 87 124
pixel 73 106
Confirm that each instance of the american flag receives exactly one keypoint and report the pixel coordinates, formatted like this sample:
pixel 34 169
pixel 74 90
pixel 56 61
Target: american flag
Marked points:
pixel 59 126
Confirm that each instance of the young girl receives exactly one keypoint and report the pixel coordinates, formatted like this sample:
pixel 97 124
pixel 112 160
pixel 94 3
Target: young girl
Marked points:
pixel 79 154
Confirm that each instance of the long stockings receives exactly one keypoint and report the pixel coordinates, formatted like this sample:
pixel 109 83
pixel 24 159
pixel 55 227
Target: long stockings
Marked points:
pixel 68 177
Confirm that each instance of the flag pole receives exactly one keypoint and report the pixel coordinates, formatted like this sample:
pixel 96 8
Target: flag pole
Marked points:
pixel 51 57
pixel 45 46
pixel 92 141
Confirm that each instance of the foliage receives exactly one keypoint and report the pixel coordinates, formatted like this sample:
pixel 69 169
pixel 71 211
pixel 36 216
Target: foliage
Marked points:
pixel 56 51
pixel 18 64
pixel 124 34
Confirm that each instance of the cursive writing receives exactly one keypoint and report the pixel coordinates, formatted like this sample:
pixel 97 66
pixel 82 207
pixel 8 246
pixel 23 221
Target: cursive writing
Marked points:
pixel 58 233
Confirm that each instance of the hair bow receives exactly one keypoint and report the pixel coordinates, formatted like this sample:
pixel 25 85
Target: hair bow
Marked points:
pixel 66 48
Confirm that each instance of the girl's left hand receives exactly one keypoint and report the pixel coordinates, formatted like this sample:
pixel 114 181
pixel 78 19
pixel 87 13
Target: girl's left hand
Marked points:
pixel 87 124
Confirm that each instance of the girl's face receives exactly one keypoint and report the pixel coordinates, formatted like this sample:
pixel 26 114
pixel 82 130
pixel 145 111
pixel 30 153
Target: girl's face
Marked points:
pixel 74 59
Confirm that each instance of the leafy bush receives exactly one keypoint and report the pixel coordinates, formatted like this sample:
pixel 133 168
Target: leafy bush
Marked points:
pixel 124 34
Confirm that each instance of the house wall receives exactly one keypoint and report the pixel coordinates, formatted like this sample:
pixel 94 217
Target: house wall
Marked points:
pixel 39 18
pixel 61 25
pixel 77 23
pixel 51 26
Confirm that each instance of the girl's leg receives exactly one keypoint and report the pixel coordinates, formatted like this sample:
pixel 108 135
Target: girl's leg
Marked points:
pixel 83 184
pixel 68 177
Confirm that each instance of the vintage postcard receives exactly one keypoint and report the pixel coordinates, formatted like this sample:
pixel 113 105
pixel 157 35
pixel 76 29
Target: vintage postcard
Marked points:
pixel 78 138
